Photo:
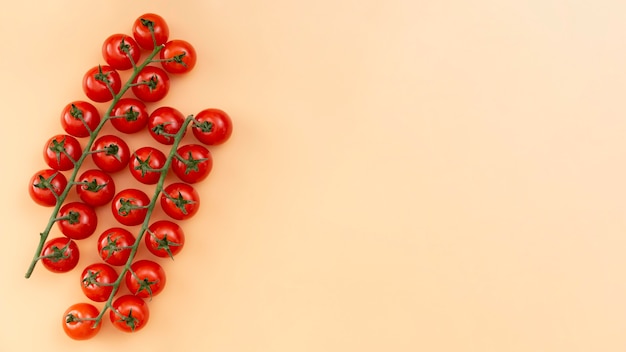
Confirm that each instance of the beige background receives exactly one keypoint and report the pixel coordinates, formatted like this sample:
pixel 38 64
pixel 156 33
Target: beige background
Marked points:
pixel 403 176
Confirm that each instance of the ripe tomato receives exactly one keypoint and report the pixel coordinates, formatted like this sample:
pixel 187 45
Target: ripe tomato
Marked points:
pixel 78 323
pixel 79 118
pixel 130 206
pixel 60 255
pixel 118 49
pixel 114 245
pixel 79 220
pixel 164 123
pixel 212 127
pixel 95 83
pixel 145 165
pixel 151 84
pixel 97 281
pixel 44 185
pixel 145 279
pixel 142 34
pixel 129 115
pixel 110 153
pixel 192 163
pixel 179 56
pixel 180 201
pixel 129 313
pixel 62 151
pixel 164 238
pixel 95 187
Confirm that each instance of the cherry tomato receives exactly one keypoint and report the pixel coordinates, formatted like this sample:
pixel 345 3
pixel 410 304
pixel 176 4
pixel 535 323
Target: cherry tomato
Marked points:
pixel 145 279
pixel 212 126
pixel 95 187
pixel 129 313
pixel 164 123
pixel 164 238
pixel 44 185
pixel 141 30
pixel 130 206
pixel 95 83
pixel 192 163
pixel 114 245
pixel 118 49
pixel 61 151
pixel 97 281
pixel 74 324
pixel 129 115
pixel 180 201
pixel 60 255
pixel 143 164
pixel 151 84
pixel 80 220
pixel 79 118
pixel 182 55
pixel 110 153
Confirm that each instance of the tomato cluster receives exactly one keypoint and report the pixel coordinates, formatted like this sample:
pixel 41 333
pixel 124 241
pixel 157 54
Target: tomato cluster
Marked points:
pixel 132 110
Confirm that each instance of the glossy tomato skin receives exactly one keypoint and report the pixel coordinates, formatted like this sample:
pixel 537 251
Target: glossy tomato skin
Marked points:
pixel 76 328
pixel 144 159
pixel 82 223
pixel 164 123
pixel 64 252
pixel 180 201
pixel 114 245
pixel 116 50
pixel 129 313
pixel 45 184
pixel 95 188
pixel 182 53
pixel 113 153
pixel 96 281
pixel 141 31
pixel 94 83
pixel 60 150
pixel 134 115
pixel 164 238
pixel 156 84
pixel 145 279
pixel 76 115
pixel 193 163
pixel 124 206
pixel 212 127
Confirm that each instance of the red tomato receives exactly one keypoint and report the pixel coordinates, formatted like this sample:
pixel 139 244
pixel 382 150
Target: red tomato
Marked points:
pixel 60 255
pixel 118 49
pixel 80 118
pixel 212 127
pixel 95 83
pixel 79 220
pixel 151 84
pixel 44 185
pixel 164 238
pixel 62 151
pixel 179 56
pixel 142 34
pixel 164 123
pixel 97 281
pixel 192 163
pixel 95 187
pixel 130 206
pixel 78 321
pixel 129 313
pixel 145 279
pixel 145 165
pixel 129 115
pixel 114 245
pixel 110 153
pixel 180 201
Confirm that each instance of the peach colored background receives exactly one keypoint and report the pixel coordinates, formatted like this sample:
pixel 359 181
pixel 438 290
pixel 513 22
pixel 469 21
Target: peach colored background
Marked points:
pixel 403 176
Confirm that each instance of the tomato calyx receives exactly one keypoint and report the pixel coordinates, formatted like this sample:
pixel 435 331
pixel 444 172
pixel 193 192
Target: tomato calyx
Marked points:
pixel 71 318
pixel 191 164
pixel 204 126
pixel 111 247
pixel 57 253
pixel 164 244
pixel 129 320
pixel 46 183
pixel 130 115
pixel 180 202
pixel 144 285
pixel 93 186
pixel 144 166
pixel 58 148
pixel 160 130
pixel 92 279
pixel 103 77
pixel 77 113
pixel 127 206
